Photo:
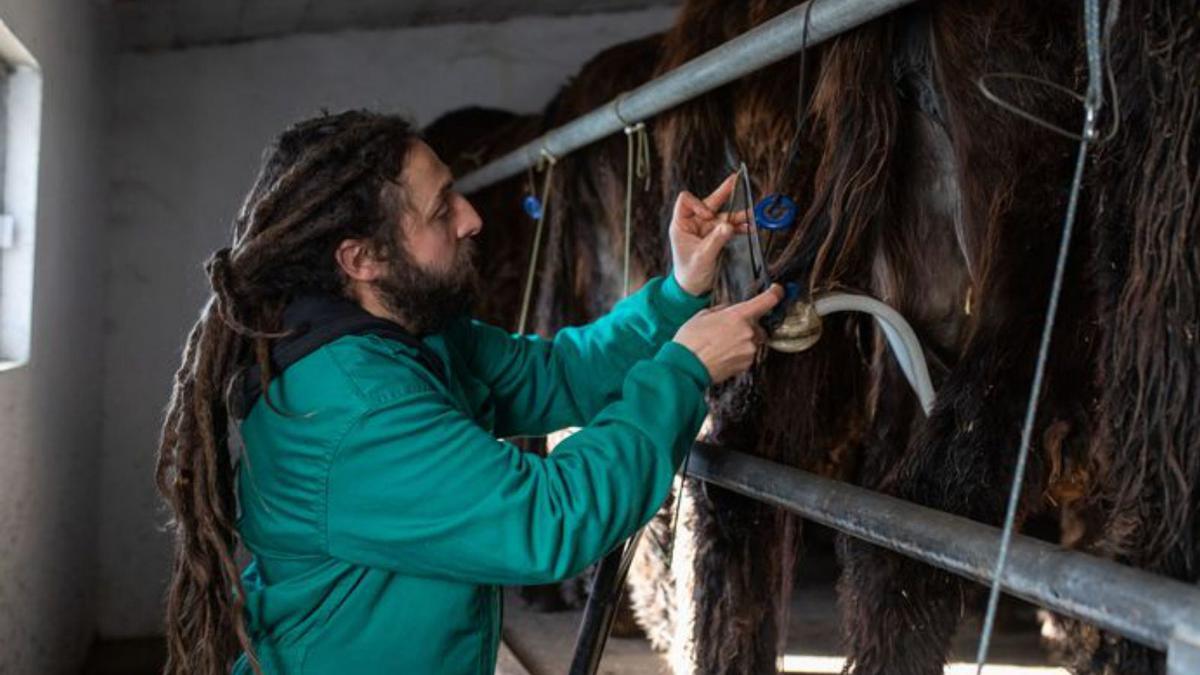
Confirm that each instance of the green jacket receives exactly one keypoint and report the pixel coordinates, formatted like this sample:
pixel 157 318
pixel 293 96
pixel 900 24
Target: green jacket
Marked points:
pixel 383 514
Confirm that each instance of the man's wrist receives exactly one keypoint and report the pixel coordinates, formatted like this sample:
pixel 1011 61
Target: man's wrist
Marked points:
pixel 673 303
pixel 680 356
pixel 688 286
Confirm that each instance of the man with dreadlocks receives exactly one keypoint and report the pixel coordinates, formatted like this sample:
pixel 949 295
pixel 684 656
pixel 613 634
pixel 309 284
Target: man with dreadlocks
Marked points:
pixel 379 511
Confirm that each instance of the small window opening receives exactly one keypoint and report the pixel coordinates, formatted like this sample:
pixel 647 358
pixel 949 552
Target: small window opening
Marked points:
pixel 20 142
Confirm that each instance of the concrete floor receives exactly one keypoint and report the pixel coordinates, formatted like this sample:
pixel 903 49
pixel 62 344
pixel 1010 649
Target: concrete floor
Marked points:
pixel 544 642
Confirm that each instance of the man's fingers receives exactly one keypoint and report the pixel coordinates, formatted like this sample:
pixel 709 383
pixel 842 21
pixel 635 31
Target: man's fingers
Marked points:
pixel 716 240
pixel 740 218
pixel 719 196
pixel 760 334
pixel 761 303
pixel 688 203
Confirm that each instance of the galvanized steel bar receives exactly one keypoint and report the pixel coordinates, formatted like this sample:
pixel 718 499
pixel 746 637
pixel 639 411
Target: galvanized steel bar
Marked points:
pixel 1183 652
pixel 1150 609
pixel 761 46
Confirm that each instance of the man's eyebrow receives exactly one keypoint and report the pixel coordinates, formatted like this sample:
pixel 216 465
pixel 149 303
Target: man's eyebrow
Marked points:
pixel 444 190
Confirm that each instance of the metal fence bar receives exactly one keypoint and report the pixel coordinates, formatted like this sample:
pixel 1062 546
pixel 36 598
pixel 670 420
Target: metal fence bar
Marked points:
pixel 1183 652
pixel 1144 607
pixel 759 47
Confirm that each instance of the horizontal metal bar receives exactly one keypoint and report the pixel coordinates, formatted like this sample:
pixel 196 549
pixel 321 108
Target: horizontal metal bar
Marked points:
pixel 1138 605
pixel 759 47
pixel 1183 653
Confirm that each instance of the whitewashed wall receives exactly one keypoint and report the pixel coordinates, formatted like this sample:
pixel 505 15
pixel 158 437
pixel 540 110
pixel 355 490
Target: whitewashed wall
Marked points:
pixel 50 407
pixel 189 127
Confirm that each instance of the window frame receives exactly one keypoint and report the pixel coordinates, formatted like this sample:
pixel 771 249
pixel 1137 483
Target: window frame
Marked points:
pixel 20 146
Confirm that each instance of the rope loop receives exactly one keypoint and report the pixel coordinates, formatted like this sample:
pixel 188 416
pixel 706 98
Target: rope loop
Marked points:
pixel 638 136
pixel 635 130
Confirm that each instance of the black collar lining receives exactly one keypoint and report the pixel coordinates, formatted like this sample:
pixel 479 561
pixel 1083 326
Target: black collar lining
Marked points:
pixel 317 320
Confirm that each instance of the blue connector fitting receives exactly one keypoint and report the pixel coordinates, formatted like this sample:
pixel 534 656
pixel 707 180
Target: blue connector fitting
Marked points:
pixel 775 212
pixel 532 206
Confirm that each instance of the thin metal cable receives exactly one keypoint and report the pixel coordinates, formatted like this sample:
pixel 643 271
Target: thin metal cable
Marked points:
pixel 801 100
pixel 793 150
pixel 548 160
pixel 1092 103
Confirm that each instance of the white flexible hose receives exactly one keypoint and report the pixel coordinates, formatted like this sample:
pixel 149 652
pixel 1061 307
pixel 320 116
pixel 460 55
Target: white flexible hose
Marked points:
pixel 900 336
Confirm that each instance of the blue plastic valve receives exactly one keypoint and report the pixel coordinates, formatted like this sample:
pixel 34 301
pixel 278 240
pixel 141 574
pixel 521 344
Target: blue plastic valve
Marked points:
pixel 532 206
pixel 775 212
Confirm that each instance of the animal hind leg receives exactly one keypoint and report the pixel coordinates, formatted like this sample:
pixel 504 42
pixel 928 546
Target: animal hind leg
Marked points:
pixel 897 616
pixel 901 614
pixel 742 579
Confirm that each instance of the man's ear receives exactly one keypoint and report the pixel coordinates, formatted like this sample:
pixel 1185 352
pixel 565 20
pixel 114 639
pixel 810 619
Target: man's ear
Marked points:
pixel 357 260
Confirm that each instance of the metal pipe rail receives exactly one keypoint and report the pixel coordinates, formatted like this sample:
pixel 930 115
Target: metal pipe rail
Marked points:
pixel 1156 611
pixel 759 47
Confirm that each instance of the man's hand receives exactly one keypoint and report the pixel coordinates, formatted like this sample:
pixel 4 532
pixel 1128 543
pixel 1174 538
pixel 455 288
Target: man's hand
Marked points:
pixel 698 233
pixel 726 339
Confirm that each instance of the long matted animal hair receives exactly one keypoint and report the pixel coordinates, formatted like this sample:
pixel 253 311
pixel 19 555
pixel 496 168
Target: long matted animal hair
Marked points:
pixel 797 409
pixel 580 277
pixel 1142 505
pixel 906 197
pixel 322 181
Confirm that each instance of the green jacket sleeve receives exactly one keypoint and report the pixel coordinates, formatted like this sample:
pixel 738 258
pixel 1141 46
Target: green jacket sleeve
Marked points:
pixel 540 386
pixel 418 487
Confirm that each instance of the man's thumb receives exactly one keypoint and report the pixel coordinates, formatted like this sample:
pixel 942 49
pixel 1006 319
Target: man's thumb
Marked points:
pixel 761 303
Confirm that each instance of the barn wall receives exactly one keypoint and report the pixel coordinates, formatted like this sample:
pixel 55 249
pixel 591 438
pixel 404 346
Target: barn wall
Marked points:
pixel 50 407
pixel 189 127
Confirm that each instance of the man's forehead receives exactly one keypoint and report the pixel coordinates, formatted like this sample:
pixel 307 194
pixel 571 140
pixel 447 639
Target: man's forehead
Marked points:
pixel 425 178
pixel 423 164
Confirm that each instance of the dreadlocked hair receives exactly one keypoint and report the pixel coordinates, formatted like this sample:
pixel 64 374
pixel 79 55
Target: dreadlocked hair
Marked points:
pixel 322 181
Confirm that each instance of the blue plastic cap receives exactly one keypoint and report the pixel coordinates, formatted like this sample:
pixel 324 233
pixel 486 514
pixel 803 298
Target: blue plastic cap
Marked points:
pixel 775 212
pixel 532 206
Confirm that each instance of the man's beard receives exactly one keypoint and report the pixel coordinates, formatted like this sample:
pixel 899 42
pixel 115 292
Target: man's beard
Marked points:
pixel 427 300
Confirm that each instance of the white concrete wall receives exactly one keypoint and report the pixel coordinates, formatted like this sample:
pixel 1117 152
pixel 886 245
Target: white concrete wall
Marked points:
pixel 50 407
pixel 189 129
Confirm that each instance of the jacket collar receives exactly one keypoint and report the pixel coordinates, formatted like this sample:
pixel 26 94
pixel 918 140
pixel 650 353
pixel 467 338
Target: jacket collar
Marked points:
pixel 313 321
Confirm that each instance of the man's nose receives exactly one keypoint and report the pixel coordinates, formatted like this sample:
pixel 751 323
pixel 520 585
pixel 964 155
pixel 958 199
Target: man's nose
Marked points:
pixel 471 223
